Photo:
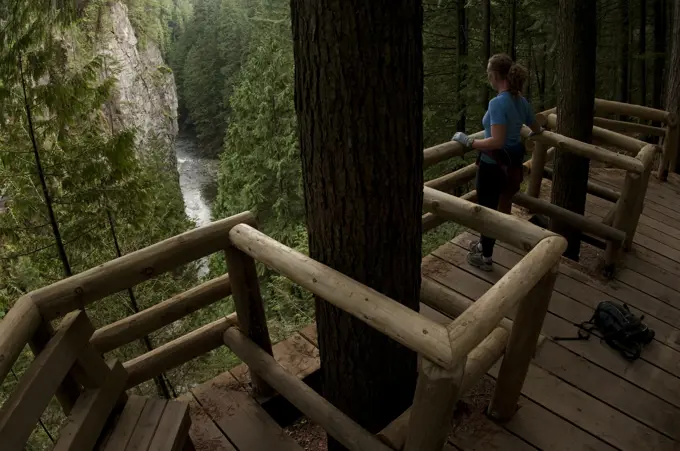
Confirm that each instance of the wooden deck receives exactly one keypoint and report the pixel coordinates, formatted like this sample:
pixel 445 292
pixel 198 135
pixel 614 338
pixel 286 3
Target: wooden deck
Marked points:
pixel 579 395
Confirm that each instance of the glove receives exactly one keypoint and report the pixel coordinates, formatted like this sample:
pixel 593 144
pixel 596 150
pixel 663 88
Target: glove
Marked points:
pixel 463 139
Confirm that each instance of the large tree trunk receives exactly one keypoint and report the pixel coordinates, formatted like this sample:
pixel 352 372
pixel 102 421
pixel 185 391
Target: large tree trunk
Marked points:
pixel 359 100
pixel 462 64
pixel 575 102
pixel 486 46
pixel 624 51
pixel 642 50
pixel 673 70
pixel 659 51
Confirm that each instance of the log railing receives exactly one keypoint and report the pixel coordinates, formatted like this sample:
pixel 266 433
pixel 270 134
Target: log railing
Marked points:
pixel 68 360
pixel 618 228
pixel 621 221
pixel 453 357
pixel 670 130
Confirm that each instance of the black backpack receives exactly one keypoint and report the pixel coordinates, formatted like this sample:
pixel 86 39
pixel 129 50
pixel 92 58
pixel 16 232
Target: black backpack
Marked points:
pixel 621 329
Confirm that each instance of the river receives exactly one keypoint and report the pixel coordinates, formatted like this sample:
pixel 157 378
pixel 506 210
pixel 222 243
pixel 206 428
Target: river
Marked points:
pixel 198 182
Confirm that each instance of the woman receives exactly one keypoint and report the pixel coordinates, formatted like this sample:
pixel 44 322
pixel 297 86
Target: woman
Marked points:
pixel 501 152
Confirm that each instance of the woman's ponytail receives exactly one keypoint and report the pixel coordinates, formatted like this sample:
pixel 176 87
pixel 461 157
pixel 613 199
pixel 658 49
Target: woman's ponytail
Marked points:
pixel 517 77
pixel 507 69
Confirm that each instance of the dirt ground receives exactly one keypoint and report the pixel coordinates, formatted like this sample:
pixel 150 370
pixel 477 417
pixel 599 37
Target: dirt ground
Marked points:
pixel 310 436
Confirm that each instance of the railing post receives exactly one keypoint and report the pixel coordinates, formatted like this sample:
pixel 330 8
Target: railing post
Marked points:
pixel 437 392
pixel 646 155
pixel 69 390
pixel 624 217
pixel 538 158
pixel 245 288
pixel 521 347
pixel 669 156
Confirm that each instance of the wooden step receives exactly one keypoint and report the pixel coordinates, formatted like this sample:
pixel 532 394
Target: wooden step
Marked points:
pixel 149 424
pixel 233 411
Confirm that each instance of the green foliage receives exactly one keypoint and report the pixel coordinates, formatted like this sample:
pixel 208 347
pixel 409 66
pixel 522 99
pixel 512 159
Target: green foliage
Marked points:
pixel 260 166
pixel 91 172
pixel 208 56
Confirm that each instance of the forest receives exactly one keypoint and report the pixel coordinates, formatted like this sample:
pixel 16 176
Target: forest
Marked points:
pixel 77 189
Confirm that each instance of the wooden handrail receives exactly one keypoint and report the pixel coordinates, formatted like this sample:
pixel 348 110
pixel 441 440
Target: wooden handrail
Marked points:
pixel 475 323
pixel 512 230
pixel 444 151
pixel 455 178
pixel 38 385
pixel 628 127
pixel 586 150
pixel 136 326
pixel 574 219
pixel 178 351
pixel 16 329
pixel 77 291
pixel 643 112
pixel 627 143
pixel 375 309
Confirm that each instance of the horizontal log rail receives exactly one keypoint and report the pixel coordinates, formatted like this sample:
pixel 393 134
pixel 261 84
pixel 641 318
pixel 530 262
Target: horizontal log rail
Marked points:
pixel 297 392
pixel 444 151
pixel 454 179
pixel 77 291
pixel 627 143
pixel 586 150
pixel 375 309
pixel 574 219
pixel 512 230
pixel 136 326
pixel 650 114
pixel 177 352
pixel 601 191
pixel 628 127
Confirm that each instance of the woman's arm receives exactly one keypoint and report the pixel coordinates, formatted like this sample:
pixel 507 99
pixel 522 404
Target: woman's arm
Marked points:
pixel 496 141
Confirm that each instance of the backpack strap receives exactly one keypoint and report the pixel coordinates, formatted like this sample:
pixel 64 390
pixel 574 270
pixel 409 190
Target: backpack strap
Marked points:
pixel 584 331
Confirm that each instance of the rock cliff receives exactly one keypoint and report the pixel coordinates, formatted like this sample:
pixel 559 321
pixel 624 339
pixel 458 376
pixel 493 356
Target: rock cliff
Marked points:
pixel 145 97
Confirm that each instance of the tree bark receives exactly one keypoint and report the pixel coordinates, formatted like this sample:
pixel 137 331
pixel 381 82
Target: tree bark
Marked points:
pixel 659 51
pixel 359 100
pixel 624 52
pixel 462 64
pixel 673 70
pixel 486 46
pixel 642 50
pixel 575 101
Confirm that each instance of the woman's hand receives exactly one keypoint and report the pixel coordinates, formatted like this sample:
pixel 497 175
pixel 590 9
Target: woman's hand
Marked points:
pixel 463 139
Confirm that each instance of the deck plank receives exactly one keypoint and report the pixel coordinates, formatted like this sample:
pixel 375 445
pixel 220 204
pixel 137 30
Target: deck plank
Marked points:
pixel 204 433
pixel 240 417
pixel 581 293
pixel 640 372
pixel 296 354
pixel 545 430
pixel 596 417
pixel 656 273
